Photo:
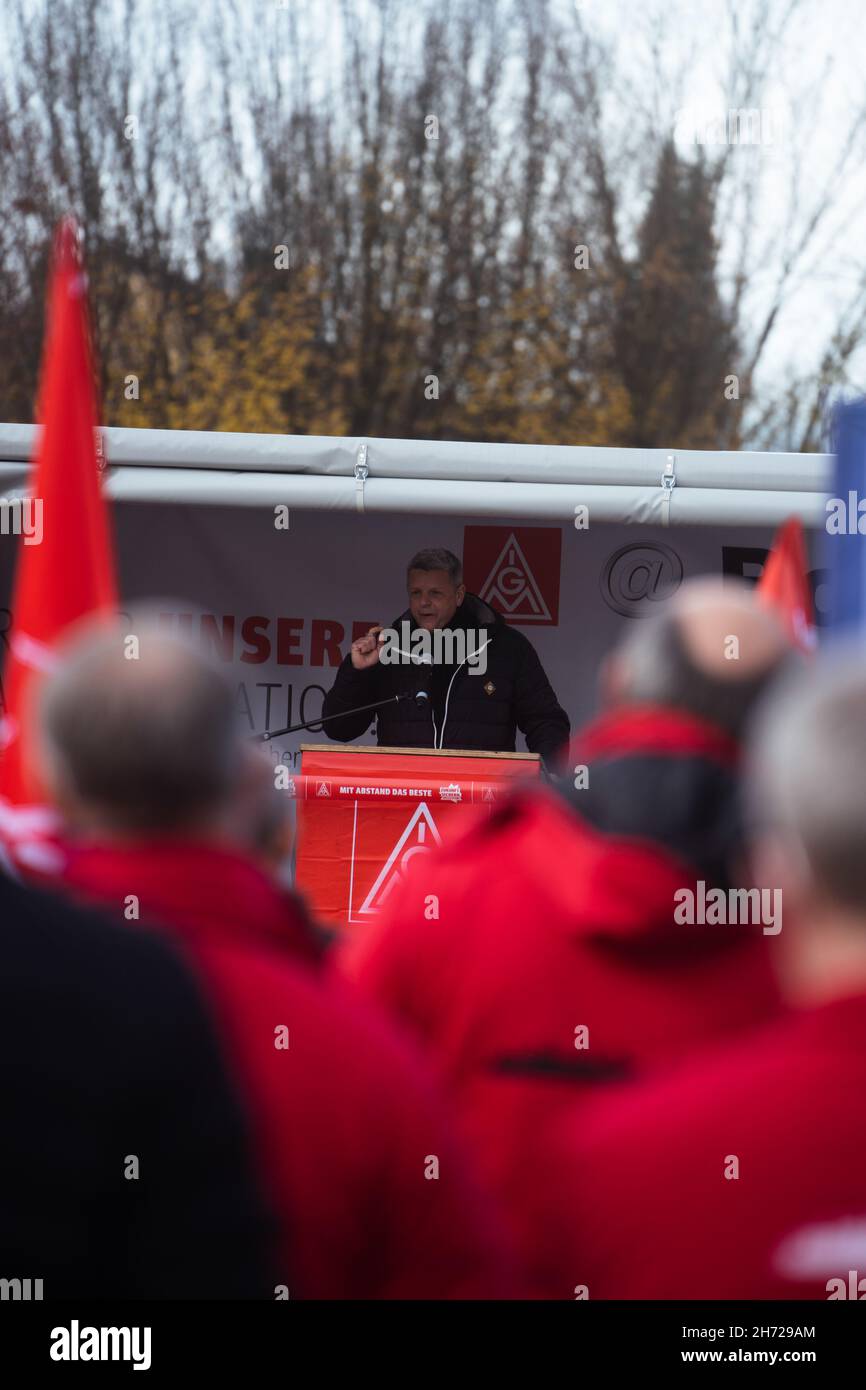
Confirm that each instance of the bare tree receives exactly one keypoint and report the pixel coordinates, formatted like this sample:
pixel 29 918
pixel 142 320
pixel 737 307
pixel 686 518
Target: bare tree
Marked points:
pixel 366 218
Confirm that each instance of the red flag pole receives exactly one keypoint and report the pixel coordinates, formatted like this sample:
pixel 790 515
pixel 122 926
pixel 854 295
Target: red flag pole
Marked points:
pixel 65 568
pixel 784 584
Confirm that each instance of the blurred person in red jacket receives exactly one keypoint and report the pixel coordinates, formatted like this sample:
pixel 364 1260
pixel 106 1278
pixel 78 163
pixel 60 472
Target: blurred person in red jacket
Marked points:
pixel 373 1197
pixel 538 956
pixel 156 788
pixel 741 1175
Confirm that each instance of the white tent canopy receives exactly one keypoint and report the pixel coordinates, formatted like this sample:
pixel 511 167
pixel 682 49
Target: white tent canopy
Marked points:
pixel 535 481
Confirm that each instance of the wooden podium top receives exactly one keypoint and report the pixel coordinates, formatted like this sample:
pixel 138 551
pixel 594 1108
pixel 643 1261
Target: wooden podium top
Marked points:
pixel 421 752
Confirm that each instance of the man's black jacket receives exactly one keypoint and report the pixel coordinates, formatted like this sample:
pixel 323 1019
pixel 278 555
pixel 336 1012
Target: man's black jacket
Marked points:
pixel 466 710
pixel 108 1051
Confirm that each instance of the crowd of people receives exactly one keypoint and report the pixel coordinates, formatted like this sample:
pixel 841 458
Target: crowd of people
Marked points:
pixel 550 1087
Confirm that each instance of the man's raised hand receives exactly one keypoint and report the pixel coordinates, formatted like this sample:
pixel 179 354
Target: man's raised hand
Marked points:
pixel 365 652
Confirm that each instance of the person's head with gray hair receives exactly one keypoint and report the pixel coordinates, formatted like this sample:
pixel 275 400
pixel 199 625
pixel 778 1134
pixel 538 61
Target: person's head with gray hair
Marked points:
pixel 434 583
pixel 712 652
pixel 807 802
pixel 808 776
pixel 261 815
pixel 139 733
pixel 437 558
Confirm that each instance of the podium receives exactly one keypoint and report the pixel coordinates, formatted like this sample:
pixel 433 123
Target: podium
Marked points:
pixel 364 813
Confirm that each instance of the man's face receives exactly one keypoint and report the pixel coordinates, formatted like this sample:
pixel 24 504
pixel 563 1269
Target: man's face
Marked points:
pixel 433 599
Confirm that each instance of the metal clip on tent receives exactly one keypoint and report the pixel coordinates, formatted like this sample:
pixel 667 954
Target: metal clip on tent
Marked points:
pixel 669 482
pixel 362 472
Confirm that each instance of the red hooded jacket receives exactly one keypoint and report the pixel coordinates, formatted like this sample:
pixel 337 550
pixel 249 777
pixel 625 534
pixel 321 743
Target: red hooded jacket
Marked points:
pixel 348 1131
pixel 739 1176
pixel 537 957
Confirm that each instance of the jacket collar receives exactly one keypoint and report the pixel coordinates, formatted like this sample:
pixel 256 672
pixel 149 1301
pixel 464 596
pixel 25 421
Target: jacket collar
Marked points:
pixel 663 779
pixel 654 729
pixel 205 891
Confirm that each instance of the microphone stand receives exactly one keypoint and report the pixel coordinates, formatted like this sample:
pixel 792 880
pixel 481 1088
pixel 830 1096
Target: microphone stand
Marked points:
pixel 323 719
pixel 359 709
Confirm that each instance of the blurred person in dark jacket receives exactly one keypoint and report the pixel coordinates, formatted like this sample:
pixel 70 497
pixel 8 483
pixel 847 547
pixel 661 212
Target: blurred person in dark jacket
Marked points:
pixel 480 686
pixel 125 1168
pixel 374 1197
pixel 537 957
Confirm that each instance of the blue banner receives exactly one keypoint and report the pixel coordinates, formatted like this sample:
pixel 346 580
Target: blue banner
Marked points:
pixel 845 525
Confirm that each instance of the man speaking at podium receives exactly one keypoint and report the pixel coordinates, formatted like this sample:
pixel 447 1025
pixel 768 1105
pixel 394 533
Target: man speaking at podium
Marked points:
pixel 464 678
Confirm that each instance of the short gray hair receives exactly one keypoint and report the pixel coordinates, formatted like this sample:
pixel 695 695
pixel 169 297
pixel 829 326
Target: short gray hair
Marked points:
pixel 808 757
pixel 440 559
pixel 152 742
pixel 660 671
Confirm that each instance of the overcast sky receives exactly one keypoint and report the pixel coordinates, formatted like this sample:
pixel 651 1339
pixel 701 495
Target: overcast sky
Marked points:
pixel 817 85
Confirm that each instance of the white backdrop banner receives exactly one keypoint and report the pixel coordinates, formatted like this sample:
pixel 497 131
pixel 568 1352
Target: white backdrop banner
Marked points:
pixel 280 607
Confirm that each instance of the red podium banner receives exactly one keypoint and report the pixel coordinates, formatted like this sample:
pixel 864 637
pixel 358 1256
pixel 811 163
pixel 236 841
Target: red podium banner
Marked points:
pixel 365 813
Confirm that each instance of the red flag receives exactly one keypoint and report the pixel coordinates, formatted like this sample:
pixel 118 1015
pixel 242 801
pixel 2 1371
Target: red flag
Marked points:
pixel 784 584
pixel 65 568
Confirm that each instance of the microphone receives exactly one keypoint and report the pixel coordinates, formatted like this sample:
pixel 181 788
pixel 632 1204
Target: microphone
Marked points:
pixel 421 697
